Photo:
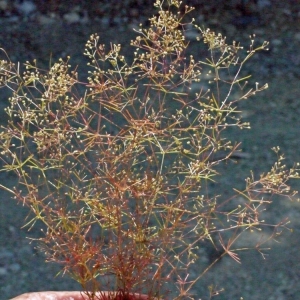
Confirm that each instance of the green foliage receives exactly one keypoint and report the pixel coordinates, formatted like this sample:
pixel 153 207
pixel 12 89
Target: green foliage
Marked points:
pixel 117 168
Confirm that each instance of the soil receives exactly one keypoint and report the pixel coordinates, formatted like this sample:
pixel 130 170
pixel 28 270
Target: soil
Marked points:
pixel 274 116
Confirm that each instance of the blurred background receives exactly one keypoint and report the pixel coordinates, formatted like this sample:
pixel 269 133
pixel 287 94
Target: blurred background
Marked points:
pixel 49 29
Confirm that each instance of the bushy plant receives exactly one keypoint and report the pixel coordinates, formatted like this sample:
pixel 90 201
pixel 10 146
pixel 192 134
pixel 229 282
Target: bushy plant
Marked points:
pixel 117 167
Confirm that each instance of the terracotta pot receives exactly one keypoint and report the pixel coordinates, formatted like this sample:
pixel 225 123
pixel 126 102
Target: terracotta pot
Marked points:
pixel 74 296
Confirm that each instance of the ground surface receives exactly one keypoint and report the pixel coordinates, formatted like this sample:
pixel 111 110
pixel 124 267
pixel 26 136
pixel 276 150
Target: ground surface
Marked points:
pixel 274 115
